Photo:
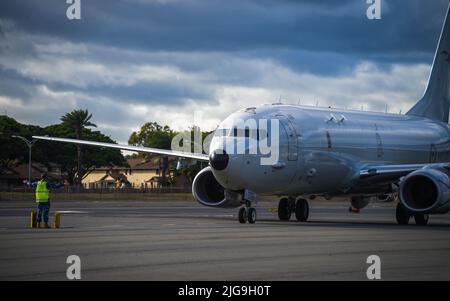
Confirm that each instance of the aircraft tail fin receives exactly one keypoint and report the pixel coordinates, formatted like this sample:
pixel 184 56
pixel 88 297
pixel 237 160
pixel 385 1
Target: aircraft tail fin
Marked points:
pixel 435 102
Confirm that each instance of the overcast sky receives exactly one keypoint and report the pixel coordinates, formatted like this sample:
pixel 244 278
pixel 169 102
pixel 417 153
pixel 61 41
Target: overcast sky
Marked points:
pixel 133 61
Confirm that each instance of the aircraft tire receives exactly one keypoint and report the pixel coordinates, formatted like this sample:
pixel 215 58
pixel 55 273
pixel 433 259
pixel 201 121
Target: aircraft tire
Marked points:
pixel 242 215
pixel 251 215
pixel 302 210
pixel 402 215
pixel 284 210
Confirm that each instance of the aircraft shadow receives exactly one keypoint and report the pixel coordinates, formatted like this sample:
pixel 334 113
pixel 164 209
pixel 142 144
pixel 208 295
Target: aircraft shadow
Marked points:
pixel 355 224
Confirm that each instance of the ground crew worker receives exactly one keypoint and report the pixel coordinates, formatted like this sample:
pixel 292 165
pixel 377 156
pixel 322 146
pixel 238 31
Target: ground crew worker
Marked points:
pixel 43 199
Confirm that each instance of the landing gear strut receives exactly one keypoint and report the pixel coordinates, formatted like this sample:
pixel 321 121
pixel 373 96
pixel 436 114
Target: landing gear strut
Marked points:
pixel 288 205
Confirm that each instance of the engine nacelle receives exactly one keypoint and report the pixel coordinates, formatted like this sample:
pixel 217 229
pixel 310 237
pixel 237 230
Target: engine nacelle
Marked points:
pixel 207 191
pixel 426 191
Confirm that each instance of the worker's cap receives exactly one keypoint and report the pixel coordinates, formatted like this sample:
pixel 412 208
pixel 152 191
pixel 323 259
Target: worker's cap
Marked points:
pixel 44 176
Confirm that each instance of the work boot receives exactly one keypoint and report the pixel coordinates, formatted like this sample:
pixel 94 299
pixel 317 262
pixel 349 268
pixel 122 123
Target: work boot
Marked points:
pixel 46 225
pixel 38 224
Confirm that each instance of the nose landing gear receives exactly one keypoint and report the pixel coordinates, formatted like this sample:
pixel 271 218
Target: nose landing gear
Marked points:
pixel 242 215
pixel 251 215
pixel 247 214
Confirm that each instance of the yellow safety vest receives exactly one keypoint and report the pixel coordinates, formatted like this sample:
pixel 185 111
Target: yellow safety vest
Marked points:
pixel 42 193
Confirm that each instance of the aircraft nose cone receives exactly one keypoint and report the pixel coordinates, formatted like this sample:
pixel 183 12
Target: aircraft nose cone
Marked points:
pixel 218 159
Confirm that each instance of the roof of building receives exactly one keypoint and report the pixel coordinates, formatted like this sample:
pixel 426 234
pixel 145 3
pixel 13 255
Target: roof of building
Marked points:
pixel 20 171
pixel 139 164
pixel 134 164
pixel 111 177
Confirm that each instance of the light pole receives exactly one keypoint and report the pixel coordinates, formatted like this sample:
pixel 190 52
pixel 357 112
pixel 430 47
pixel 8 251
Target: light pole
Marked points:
pixel 30 145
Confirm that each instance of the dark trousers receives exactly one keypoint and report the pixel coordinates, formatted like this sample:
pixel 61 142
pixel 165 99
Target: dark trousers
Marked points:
pixel 43 209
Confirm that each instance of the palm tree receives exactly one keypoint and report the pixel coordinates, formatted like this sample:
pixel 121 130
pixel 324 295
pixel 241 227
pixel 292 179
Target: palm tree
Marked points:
pixel 78 120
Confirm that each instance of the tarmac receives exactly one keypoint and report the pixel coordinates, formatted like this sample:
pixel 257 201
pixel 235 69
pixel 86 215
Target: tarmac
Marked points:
pixel 182 240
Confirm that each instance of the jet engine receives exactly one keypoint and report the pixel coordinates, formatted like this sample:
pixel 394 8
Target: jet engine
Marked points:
pixel 426 191
pixel 208 192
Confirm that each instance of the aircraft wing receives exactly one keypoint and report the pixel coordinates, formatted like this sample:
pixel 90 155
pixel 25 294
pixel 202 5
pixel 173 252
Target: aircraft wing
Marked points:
pixel 391 173
pixel 157 151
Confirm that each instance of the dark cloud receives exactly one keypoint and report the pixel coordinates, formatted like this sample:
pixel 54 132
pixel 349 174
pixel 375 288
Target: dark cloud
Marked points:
pixel 334 26
pixel 170 94
pixel 208 53
pixel 14 85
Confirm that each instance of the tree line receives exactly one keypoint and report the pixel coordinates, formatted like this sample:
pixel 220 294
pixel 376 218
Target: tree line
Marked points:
pixel 76 161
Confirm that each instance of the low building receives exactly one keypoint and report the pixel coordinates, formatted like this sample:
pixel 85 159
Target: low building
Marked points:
pixel 17 175
pixel 139 174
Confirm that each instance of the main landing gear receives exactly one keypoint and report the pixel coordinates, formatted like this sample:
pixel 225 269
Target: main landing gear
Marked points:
pixel 247 214
pixel 403 216
pixel 287 206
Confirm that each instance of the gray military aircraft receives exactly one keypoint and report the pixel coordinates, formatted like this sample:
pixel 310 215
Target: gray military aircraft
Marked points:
pixel 331 152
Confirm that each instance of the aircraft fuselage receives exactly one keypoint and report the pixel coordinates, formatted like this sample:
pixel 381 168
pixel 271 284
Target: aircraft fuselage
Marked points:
pixel 322 150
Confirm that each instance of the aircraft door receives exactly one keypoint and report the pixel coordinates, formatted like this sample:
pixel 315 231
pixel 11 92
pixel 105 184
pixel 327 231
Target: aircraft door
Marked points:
pixel 433 153
pixel 292 137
